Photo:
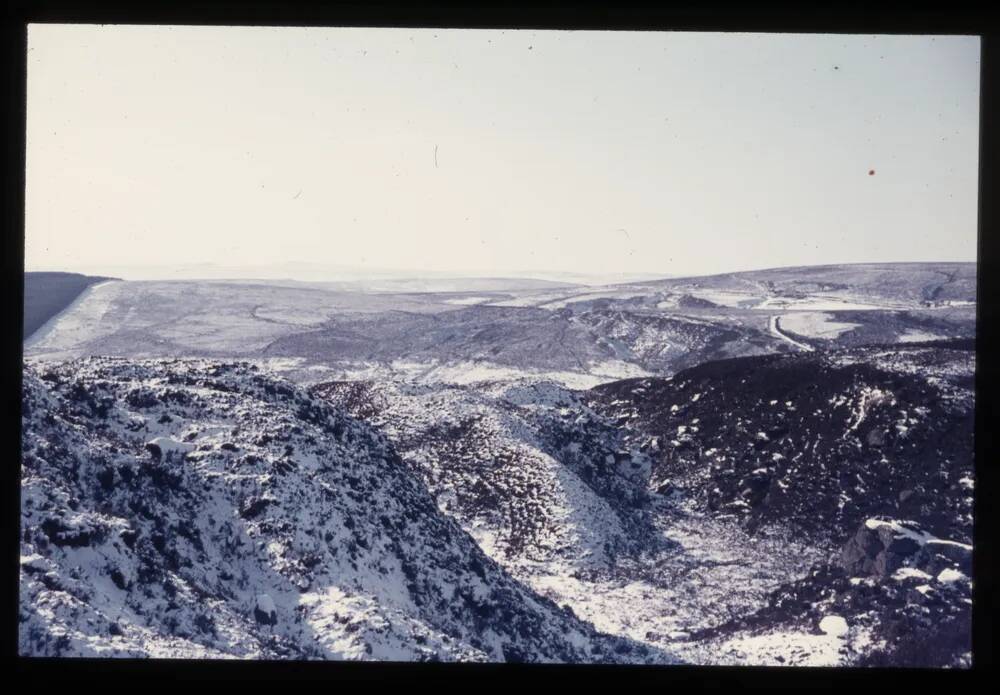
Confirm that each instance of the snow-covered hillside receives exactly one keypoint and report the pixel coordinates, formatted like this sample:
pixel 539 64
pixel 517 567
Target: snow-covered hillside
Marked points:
pixel 679 512
pixel 198 509
pixel 533 474
pixel 865 456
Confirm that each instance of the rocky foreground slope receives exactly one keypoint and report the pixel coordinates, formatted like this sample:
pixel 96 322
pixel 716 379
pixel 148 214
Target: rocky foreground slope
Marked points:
pixel 533 474
pixel 865 453
pixel 198 509
pixel 810 508
pixel 806 509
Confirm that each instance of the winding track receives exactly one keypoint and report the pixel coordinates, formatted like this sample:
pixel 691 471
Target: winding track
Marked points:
pixel 778 333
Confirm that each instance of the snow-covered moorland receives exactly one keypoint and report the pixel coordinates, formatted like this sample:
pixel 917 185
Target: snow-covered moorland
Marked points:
pixel 759 468
pixel 198 509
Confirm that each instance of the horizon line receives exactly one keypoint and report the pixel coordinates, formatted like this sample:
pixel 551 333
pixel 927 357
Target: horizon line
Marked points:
pixel 359 273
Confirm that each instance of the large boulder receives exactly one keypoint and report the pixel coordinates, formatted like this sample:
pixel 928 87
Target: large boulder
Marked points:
pixel 950 554
pixel 882 546
pixel 754 487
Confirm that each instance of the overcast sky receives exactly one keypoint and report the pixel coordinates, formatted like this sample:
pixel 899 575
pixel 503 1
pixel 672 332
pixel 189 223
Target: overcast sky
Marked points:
pixel 497 151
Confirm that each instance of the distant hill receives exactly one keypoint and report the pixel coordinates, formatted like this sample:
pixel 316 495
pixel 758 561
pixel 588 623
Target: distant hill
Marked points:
pixel 928 282
pixel 46 294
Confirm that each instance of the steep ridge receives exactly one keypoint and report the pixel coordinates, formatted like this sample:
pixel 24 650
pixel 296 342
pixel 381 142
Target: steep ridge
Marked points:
pixel 535 476
pixel 201 509
pixel 48 293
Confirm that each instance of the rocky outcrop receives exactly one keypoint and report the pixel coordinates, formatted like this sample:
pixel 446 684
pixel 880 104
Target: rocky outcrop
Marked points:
pixel 881 547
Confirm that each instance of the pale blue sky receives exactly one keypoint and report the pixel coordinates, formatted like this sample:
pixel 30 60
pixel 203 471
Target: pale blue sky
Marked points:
pixel 674 153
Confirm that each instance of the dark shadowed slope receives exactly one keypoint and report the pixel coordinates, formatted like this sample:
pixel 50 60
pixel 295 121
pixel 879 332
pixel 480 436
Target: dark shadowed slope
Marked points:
pixel 866 453
pixel 46 294
pixel 822 441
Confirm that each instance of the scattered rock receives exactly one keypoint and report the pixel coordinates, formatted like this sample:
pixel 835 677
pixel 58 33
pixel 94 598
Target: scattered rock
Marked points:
pixel 878 549
pixel 876 437
pixel 264 611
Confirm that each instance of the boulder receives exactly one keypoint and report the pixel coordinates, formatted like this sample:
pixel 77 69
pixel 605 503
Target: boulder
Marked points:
pixel 882 546
pixel 876 437
pixel 72 533
pixel 879 548
pixel 957 554
pixel 666 488
pixel 264 611
pixel 754 487
pixel 834 625
pixel 161 446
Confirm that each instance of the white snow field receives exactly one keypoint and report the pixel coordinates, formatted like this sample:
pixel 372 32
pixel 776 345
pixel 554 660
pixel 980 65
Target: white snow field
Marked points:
pixel 919 336
pixel 815 324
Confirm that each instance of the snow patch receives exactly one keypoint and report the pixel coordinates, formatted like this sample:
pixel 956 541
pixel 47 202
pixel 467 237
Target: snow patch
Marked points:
pixel 815 324
pixel 919 337
pixel 169 444
pixel 910 573
pixel 950 576
pixel 467 301
pixel 833 625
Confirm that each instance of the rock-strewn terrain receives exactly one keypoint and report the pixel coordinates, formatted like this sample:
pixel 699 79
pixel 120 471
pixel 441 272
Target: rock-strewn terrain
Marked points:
pixel 866 454
pixel 190 508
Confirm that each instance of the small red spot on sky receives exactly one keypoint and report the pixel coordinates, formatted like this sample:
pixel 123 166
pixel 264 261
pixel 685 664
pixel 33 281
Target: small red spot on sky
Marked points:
pixel 871 172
